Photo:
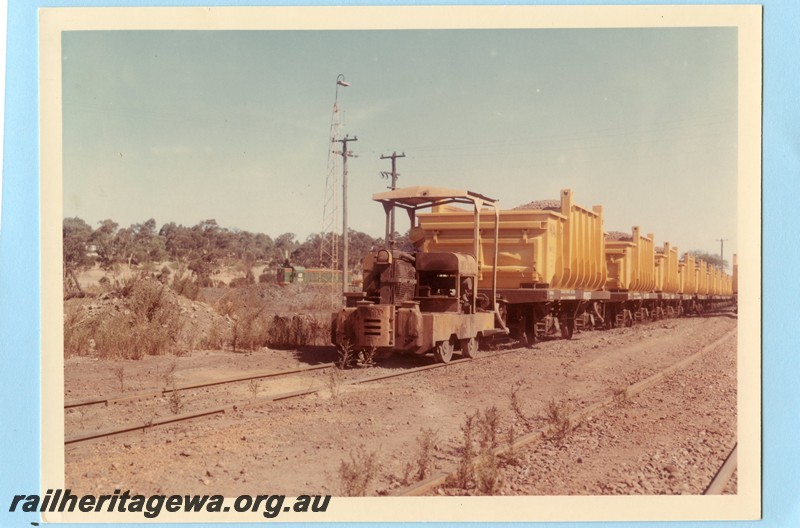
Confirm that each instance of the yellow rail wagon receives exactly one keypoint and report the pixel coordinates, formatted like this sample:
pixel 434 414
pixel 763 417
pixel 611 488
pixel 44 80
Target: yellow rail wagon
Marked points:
pixel 715 285
pixel 668 281
pixel 550 260
pixel 688 276
pixel 721 283
pixel 632 276
pixel 702 278
pixel 667 274
pixel 631 262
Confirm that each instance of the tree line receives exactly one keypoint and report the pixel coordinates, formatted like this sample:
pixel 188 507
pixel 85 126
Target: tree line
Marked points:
pixel 201 249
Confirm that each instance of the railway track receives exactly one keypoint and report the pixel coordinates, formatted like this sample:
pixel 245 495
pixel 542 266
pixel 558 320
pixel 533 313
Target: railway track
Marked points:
pixel 266 400
pixel 221 409
pixel 723 475
pixel 142 395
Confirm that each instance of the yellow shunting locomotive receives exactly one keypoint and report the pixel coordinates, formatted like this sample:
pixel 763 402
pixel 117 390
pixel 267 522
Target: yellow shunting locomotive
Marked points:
pixel 423 303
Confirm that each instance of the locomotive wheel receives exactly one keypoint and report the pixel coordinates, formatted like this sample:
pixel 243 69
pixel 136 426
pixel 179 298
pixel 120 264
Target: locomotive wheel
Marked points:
pixel 469 347
pixel 443 351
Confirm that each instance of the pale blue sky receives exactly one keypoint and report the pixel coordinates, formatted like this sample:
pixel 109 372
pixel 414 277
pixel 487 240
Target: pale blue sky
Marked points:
pixel 184 126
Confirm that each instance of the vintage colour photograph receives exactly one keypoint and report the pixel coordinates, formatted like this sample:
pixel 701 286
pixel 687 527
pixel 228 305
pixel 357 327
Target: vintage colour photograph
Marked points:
pixel 348 263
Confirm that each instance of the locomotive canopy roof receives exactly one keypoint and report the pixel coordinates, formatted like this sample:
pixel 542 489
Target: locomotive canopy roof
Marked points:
pixel 421 197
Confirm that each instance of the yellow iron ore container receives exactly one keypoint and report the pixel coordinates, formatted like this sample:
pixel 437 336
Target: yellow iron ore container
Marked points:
pixel 702 277
pixel 559 247
pixel 667 274
pixel 631 262
pixel 688 276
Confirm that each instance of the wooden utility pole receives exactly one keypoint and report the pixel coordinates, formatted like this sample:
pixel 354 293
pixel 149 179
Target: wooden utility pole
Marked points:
pixel 394 174
pixel 345 245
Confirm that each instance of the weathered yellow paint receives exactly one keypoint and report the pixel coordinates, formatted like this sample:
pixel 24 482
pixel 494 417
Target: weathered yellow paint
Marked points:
pixel 667 274
pixel 631 263
pixel 688 276
pixel 406 329
pixel 562 248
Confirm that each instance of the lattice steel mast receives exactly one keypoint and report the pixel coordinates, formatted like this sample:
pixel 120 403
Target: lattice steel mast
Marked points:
pixel 329 246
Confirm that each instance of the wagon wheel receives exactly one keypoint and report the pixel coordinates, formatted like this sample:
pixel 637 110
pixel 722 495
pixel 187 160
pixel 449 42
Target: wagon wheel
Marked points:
pixel 628 318
pixel 469 347
pixel 520 334
pixel 611 318
pixel 443 352
pixel 567 328
pixel 549 325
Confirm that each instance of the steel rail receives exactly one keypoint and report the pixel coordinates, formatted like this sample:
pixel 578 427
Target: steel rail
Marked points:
pixel 142 427
pixel 436 480
pixel 160 392
pixel 724 474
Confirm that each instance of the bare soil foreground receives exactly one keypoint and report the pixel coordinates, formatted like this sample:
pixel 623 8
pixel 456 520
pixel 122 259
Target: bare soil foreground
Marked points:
pixel 379 438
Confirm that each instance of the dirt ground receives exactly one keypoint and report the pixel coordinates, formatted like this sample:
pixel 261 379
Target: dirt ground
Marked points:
pixel 670 439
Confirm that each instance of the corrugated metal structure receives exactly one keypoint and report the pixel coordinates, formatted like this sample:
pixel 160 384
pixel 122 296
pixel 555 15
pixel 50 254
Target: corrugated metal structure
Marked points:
pixel 631 263
pixel 688 275
pixel 667 270
pixel 555 248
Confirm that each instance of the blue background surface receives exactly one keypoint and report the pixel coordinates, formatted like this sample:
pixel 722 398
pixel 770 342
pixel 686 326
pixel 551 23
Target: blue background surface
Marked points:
pixel 19 257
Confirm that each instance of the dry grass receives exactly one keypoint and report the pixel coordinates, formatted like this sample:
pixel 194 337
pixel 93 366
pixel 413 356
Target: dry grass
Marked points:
pixel 334 380
pixel 175 402
pixel 298 330
pixel 487 474
pixel 250 330
pixel 266 315
pixel 356 474
pixel 367 357
pixel 142 316
pixel 478 466
pixel 559 424
pixel 511 456
pixel 254 387
pixel 142 319
pixel 620 394
pixel 119 373
pixel 423 464
pixel 516 407
pixel 464 473
pixel 346 356
pixel 78 331
pixel 426 444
